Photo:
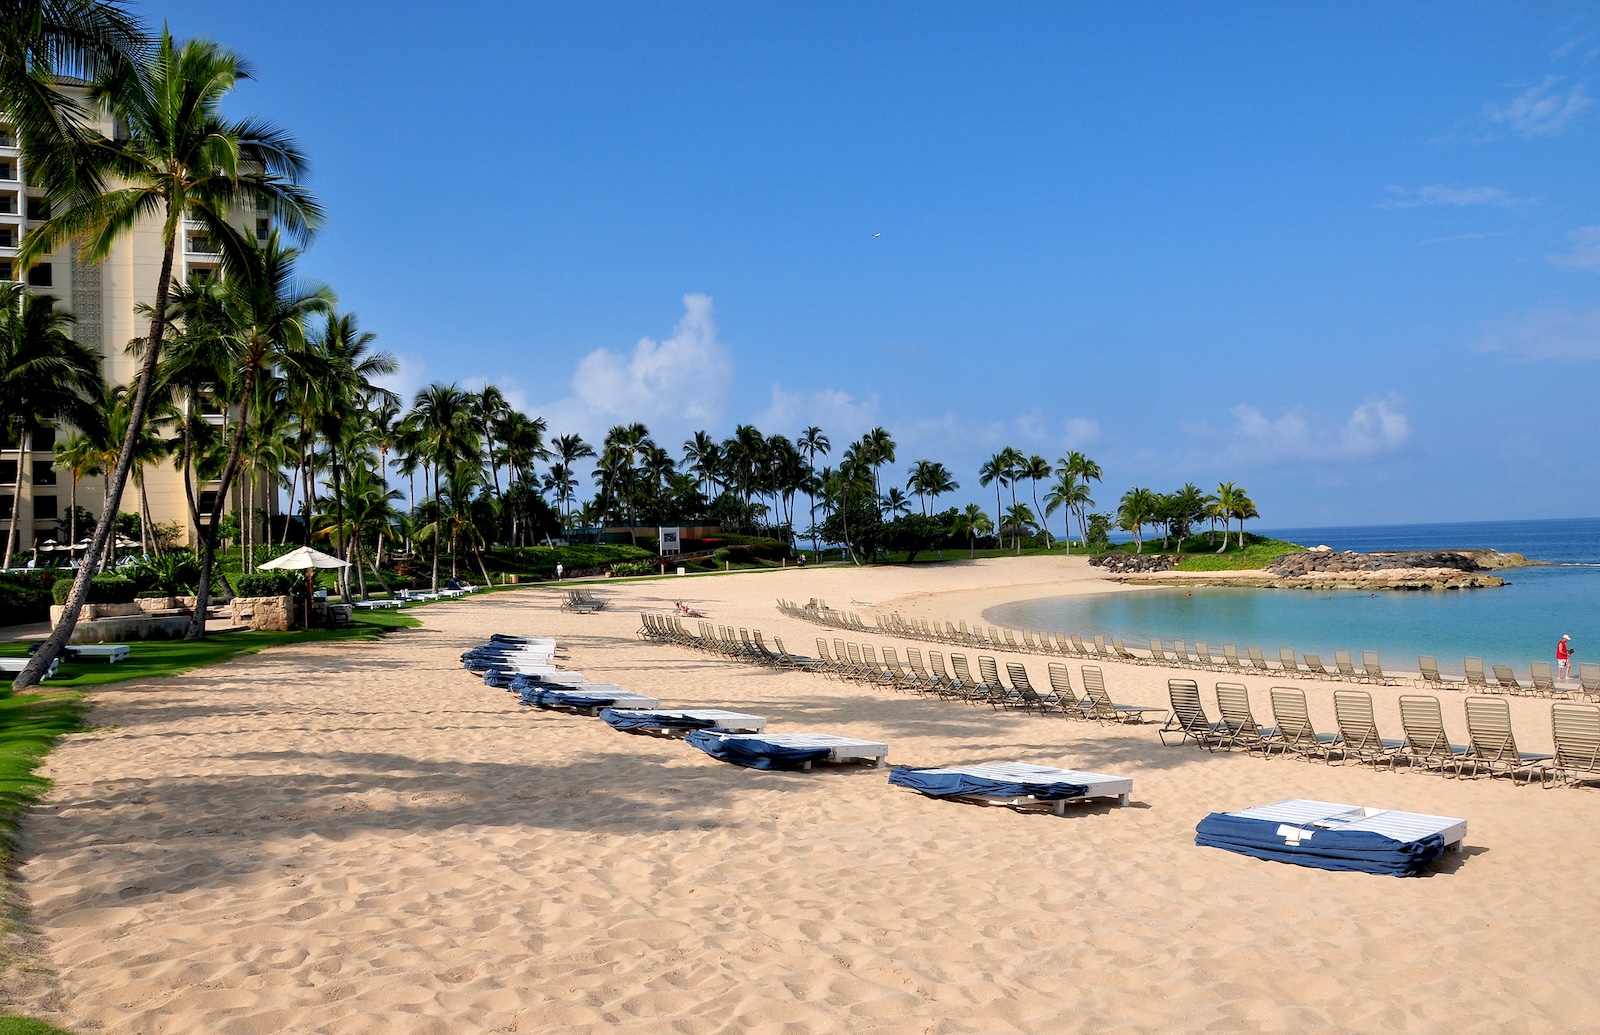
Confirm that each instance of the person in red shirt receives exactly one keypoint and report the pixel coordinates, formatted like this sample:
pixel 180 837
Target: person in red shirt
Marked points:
pixel 1564 658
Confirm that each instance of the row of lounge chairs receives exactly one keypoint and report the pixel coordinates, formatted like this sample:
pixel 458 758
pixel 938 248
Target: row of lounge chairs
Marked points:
pixel 1542 681
pixel 727 640
pixel 580 602
pixel 1491 746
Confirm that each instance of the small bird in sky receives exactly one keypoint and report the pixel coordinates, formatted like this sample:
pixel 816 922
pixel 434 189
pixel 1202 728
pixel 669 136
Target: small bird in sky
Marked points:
pixel 877 235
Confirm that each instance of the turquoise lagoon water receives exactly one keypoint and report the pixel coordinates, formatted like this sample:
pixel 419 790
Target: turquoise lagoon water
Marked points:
pixel 1515 624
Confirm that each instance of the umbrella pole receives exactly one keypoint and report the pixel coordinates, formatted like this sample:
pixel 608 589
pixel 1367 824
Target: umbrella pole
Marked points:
pixel 308 598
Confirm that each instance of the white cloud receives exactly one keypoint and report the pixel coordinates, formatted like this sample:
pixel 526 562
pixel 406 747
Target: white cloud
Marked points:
pixel 1585 251
pixel 841 415
pixel 1081 432
pixel 1555 330
pixel 685 378
pixel 1298 435
pixel 1545 110
pixel 1445 194
pixel 1465 237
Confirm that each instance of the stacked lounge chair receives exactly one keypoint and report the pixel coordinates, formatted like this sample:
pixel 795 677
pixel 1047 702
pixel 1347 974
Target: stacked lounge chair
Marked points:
pixel 1330 836
pixel 1017 784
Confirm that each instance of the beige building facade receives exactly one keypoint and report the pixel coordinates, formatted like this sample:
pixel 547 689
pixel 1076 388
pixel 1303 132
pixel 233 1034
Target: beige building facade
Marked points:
pixel 104 300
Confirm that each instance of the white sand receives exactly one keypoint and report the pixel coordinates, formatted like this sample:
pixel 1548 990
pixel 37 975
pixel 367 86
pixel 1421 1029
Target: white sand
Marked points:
pixel 365 838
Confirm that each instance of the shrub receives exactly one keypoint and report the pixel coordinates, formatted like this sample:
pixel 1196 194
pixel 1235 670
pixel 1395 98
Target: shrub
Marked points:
pixel 109 588
pixel 625 568
pixel 40 580
pixel 59 591
pixel 756 550
pixel 267 584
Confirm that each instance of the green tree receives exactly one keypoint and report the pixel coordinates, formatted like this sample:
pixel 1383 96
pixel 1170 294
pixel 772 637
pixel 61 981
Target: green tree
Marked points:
pixel 1019 521
pixel 176 158
pixel 1036 469
pixel 1072 495
pixel 45 377
pixel 1084 471
pixel 972 523
pixel 443 415
pixel 1136 510
pixel 77 456
pixel 812 442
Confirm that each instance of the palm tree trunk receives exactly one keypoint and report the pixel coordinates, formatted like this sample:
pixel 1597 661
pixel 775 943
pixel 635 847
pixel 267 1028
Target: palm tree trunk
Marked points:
pixel 438 518
pixel 50 649
pixel 16 496
pixel 208 532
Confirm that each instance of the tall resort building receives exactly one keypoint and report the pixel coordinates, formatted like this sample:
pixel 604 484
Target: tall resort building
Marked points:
pixel 104 301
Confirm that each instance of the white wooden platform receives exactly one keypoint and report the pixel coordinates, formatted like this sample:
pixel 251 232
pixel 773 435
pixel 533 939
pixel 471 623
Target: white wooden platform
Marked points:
pixel 1098 785
pixel 112 652
pixel 734 722
pixel 840 749
pixel 619 697
pixel 1326 815
pixel 14 666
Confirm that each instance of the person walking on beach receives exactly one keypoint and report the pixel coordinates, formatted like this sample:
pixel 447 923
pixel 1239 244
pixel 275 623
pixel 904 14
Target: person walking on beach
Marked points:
pixel 1564 657
pixel 559 570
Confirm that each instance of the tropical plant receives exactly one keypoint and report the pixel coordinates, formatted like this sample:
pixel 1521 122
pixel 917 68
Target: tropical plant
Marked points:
pixel 45 377
pixel 1136 510
pixel 812 442
pixel 1019 521
pixel 1036 469
pixel 1083 471
pixel 972 523
pixel 175 158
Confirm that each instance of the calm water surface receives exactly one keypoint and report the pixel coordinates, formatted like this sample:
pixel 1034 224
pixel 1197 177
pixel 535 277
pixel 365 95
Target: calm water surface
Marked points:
pixel 1515 624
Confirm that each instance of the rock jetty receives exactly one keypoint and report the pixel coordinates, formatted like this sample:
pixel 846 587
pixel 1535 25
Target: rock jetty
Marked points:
pixel 1325 569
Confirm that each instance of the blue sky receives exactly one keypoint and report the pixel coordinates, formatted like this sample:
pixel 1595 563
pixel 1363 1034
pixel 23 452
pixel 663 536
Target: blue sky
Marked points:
pixel 1347 256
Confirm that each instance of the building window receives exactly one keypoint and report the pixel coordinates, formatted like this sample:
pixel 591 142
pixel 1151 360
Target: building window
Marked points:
pixel 8 236
pixel 8 170
pixel 44 472
pixel 44 508
pixel 44 438
pixel 208 499
pixel 8 472
pixel 6 272
pixel 262 228
pixel 41 275
pixel 202 276
pixel 38 208
pixel 8 204
pixel 5 508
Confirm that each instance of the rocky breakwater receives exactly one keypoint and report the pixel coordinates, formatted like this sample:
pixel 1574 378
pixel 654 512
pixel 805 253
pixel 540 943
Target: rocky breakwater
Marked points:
pixel 1325 569
pixel 1125 563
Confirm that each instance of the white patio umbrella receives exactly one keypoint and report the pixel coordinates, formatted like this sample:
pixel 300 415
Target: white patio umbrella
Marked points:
pixel 309 559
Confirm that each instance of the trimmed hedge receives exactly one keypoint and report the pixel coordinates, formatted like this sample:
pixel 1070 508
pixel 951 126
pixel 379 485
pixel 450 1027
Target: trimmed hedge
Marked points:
pixel 106 588
pixel 268 583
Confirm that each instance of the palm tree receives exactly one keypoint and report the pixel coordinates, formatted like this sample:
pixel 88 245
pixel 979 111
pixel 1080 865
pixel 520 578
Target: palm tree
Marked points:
pixel 973 522
pixel 813 441
pixel 1036 468
pixel 41 40
pixel 45 377
pixel 176 158
pixel 1243 508
pixel 1073 495
pixel 444 419
pixel 569 449
pixel 489 411
pixel 701 456
pixel 895 502
pixel 78 457
pixel 1084 471
pixel 254 321
pixel 1223 506
pixel 1019 522
pixel 879 450
pixel 1136 510
pixel 996 471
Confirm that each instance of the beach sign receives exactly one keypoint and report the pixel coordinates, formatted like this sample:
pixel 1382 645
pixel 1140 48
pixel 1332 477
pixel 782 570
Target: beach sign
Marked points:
pixel 669 540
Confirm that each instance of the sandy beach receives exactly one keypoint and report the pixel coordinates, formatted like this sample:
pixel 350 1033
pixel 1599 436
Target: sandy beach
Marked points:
pixel 363 838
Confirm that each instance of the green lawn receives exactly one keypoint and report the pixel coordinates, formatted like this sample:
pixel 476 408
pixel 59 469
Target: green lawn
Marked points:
pixel 155 658
pixel 27 1026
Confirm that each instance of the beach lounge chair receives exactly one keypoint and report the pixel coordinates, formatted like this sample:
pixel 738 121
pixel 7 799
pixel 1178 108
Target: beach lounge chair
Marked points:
pixel 1589 678
pixel 1544 680
pixel 1189 720
pixel 1016 784
pixel 900 680
pixel 1203 652
pixel 1476 680
pixel 1494 746
pixel 1315 667
pixel 1157 655
pixel 1180 653
pixel 1100 706
pixel 1575 732
pixel 1064 645
pixel 1011 641
pixel 1331 836
pixel 996 692
pixel 1258 660
pixel 943 685
pixel 588 699
pixel 922 682
pixel 786 750
pixel 966 687
pixel 1022 690
pixel 1078 647
pixel 1507 679
pixel 1427 743
pixel 676 723
pixel 1233 702
pixel 1101 650
pixel 111 652
pixel 1123 653
pixel 1428 666
pixel 1373 668
pixel 1346 667
pixel 1230 657
pixel 1358 730
pixel 1295 731
pixel 1066 699
pixel 1287 662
